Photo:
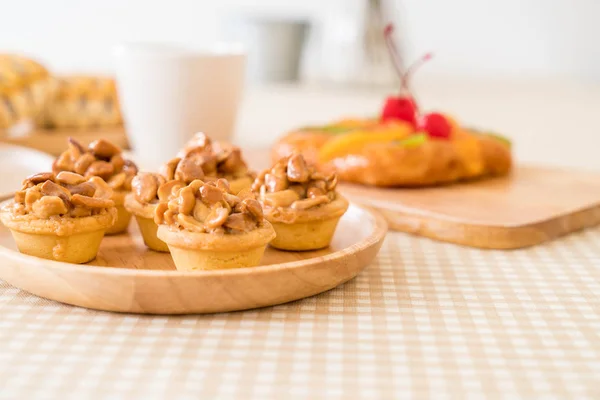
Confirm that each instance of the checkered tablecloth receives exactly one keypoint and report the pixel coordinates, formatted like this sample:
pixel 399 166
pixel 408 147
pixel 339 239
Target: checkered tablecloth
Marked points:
pixel 426 320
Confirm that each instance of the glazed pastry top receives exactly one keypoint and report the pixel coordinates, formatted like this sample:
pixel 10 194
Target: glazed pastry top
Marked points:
pixel 203 159
pixel 208 208
pixel 102 159
pixel 292 183
pixel 66 194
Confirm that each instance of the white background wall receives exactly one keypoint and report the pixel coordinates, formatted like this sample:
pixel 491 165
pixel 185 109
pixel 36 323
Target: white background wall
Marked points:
pixel 475 37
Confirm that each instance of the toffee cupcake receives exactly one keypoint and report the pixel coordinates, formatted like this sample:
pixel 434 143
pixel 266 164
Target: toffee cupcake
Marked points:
pixel 148 189
pixel 60 217
pixel 301 203
pixel 213 160
pixel 207 227
pixel 102 159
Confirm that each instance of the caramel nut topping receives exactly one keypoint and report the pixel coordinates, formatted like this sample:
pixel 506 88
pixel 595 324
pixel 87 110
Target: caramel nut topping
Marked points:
pixel 187 200
pixel 48 206
pixel 67 194
pixel 292 183
pixel 252 206
pixel 168 169
pixel 103 169
pixel 80 211
pixel 102 191
pixel 210 206
pixel 211 194
pixel 75 146
pixel 309 203
pixel 84 189
pixel 103 149
pixel 284 198
pixel 275 183
pixel 20 196
pixel 216 218
pixel 101 158
pixel 314 192
pixel 216 160
pixel 50 188
pixel 198 143
pixel 145 187
pixel 69 178
pixel 232 161
pixel 190 168
pixel 118 162
pixel 31 196
pixel 240 222
pixel 91 202
pixel 161 208
pixel 83 163
pixel 189 223
pixel 297 170
pixel 118 180
pixel 201 211
pixel 168 189
pixel 39 178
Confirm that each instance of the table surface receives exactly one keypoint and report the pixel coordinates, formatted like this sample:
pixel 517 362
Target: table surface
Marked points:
pixel 426 319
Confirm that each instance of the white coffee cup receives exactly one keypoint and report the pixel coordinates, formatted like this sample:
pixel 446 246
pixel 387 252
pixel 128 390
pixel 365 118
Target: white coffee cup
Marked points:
pixel 169 93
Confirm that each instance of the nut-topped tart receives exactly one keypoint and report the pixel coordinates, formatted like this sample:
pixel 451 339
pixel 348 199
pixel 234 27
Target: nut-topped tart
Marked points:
pixel 207 227
pixel 60 216
pixel 148 189
pixel 301 203
pixel 201 158
pixel 102 159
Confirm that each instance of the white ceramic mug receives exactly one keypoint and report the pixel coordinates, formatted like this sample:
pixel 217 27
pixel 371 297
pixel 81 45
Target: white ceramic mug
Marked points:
pixel 168 94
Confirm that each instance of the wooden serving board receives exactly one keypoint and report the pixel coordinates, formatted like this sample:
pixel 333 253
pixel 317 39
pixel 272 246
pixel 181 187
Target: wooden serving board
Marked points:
pixel 127 277
pixel 54 141
pixel 533 205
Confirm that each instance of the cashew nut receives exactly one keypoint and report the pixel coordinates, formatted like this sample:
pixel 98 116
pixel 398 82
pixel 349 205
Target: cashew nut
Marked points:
pixel 102 169
pixel 168 189
pixel 103 191
pixel 69 178
pixel 216 218
pixel 104 149
pixel 83 163
pixel 297 170
pixel 189 223
pixel 168 169
pixel 284 198
pixel 50 188
pixel 48 206
pixel 39 178
pixel 91 202
pixel 187 200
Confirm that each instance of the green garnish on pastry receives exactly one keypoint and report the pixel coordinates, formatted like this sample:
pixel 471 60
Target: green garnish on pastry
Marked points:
pixel 414 140
pixel 500 138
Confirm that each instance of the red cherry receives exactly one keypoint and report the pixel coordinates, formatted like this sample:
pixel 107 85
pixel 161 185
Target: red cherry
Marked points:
pixel 400 108
pixel 436 125
pixel 403 107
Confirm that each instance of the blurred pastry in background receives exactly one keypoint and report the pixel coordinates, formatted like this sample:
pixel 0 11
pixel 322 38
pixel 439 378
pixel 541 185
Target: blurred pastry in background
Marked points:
pixel 81 102
pixel 25 88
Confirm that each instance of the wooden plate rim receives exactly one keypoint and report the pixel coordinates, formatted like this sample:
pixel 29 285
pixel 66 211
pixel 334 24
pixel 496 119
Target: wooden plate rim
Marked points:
pixel 380 228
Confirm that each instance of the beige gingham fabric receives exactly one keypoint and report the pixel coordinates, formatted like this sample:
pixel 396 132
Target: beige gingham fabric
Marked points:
pixel 426 320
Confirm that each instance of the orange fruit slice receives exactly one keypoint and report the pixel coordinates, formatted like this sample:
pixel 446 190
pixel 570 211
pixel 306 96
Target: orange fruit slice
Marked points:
pixel 354 141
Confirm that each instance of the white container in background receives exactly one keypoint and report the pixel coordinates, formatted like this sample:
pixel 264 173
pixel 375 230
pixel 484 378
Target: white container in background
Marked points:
pixel 169 93
pixel 274 46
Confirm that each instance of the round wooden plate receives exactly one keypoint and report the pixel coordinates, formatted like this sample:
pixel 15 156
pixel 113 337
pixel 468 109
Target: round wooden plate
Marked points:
pixel 127 277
